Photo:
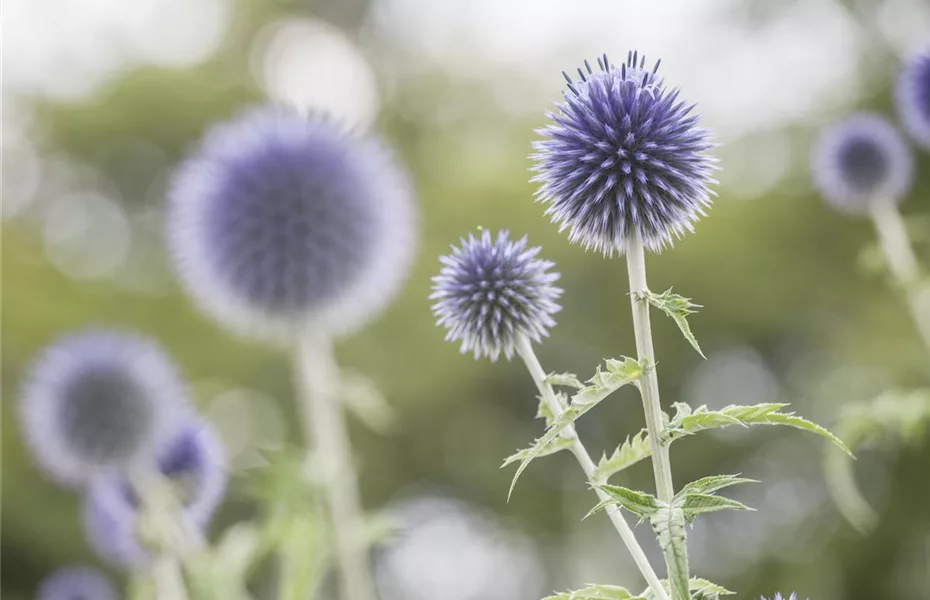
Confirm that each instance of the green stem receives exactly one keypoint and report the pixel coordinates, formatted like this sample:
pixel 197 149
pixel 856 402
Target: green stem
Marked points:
pixel 896 246
pixel 525 349
pixel 324 423
pixel 649 390
pixel 841 483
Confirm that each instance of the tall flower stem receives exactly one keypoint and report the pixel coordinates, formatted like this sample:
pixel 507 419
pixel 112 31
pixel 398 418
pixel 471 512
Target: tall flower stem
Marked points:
pixel 324 424
pixel 649 384
pixel 525 350
pixel 896 246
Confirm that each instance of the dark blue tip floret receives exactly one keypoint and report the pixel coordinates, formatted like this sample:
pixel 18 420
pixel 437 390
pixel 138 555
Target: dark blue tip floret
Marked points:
pixel 913 97
pixel 491 290
pixel 623 159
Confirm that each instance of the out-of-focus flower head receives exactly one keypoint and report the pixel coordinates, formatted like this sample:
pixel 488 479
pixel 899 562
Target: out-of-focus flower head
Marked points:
pixel 913 96
pixel 76 583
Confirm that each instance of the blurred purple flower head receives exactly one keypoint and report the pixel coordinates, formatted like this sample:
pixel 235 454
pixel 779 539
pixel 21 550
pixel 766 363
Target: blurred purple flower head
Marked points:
pixel 76 583
pixel 99 401
pixel 194 463
pixel 282 221
pixel 860 161
pixel 913 97
pixel 489 291
pixel 623 157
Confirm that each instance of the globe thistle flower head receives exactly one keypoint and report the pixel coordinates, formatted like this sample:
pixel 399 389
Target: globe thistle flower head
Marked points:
pixel 778 596
pixel 860 161
pixel 491 290
pixel 912 94
pixel 623 158
pixel 193 463
pixel 99 401
pixel 282 221
pixel 76 583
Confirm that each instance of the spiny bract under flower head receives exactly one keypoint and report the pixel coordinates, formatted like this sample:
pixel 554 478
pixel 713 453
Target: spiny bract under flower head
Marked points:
pixel 623 158
pixel 283 221
pixel 489 291
pixel 193 463
pixel 778 596
pixel 913 97
pixel 860 161
pixel 76 583
pixel 98 401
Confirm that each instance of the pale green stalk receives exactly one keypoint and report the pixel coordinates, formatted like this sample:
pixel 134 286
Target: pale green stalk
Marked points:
pixel 896 246
pixel 524 348
pixel 649 388
pixel 324 424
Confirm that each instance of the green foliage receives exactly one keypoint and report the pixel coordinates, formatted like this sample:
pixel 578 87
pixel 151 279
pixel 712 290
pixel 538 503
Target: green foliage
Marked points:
pixel 701 589
pixel 898 414
pixel 597 592
pixel 687 422
pixel 668 523
pixel 676 307
pixel 709 485
pixel 639 503
pixel 630 452
pixel 616 374
pixel 363 399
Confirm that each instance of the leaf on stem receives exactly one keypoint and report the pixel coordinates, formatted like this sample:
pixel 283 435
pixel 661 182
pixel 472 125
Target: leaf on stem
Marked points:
pixel 709 485
pixel 639 503
pixel 615 375
pixel 628 453
pixel 676 307
pixel 698 504
pixel 597 592
pixel 564 380
pixel 760 414
pixel 701 589
pixel 669 523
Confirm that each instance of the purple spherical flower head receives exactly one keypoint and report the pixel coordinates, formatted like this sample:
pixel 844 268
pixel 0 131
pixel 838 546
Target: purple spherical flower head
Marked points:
pixel 623 158
pixel 194 462
pixel 489 291
pixel 282 221
pixel 913 97
pixel 860 161
pixel 76 583
pixel 98 401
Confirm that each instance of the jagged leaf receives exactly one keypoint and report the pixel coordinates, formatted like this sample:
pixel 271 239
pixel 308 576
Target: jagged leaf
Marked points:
pixel 709 485
pixel 597 592
pixel 676 307
pixel 669 524
pixel 564 380
pixel 616 374
pixel 698 504
pixel 701 589
pixel 628 453
pixel 556 445
pixel 759 414
pixel 639 503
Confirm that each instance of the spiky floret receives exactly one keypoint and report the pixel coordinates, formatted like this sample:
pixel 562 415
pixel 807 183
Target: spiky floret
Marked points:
pixel 622 158
pixel 490 290
pixel 913 96
pixel 193 463
pixel 860 161
pixel 76 583
pixel 98 401
pixel 778 596
pixel 282 221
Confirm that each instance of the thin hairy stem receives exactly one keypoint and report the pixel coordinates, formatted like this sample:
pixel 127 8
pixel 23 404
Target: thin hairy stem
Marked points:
pixel 649 384
pixel 896 246
pixel 525 350
pixel 324 424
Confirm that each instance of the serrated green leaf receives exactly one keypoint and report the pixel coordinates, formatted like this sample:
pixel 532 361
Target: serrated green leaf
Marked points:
pixel 701 589
pixel 759 414
pixel 597 592
pixel 669 524
pixel 628 453
pixel 564 380
pixel 676 307
pixel 699 504
pixel 709 485
pixel 616 374
pixel 639 503
pixel 556 445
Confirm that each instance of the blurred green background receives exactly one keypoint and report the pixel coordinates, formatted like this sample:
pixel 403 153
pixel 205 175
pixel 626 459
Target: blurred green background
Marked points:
pixel 102 98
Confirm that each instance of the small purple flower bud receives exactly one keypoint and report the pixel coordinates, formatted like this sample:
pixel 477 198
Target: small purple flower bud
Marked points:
pixel 860 161
pixel 489 291
pixel 194 463
pixel 912 94
pixel 76 583
pixel 282 221
pixel 99 401
pixel 623 157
